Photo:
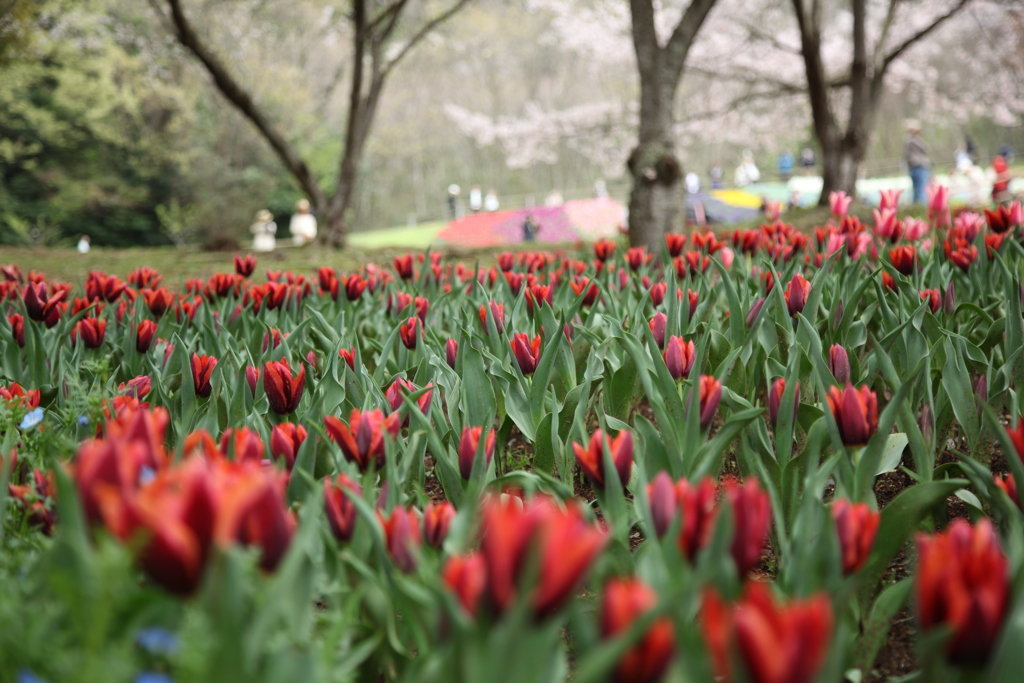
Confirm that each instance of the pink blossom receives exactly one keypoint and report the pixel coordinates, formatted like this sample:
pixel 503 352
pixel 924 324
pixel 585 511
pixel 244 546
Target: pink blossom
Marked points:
pixel 835 243
pixel 914 229
pixel 772 210
pixel 839 202
pixel 860 247
pixel 890 199
pixel 969 224
pixel 885 222
pixel 938 205
pixel 727 255
pixel 1016 213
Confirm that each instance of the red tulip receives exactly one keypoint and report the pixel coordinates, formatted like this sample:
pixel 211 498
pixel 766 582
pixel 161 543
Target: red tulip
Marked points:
pixel 856 413
pixel 888 282
pixel 515 282
pixel 675 243
pixel 679 356
pixel 341 511
pixel 403 266
pixel 362 439
pixel 796 294
pixel 661 496
pixel 999 219
pixel 468 447
pixel 402 536
pixel 91 330
pixel 497 312
pixel 245 266
pixel 658 324
pixel 1009 487
pixel 904 259
pixel 963 584
pixel 775 400
pixel 158 300
pixel 584 284
pixel 202 369
pixel 15 393
pixel 436 520
pixel 751 519
pixel 568 546
pixel 137 387
pixel 754 312
pixel 710 396
pixel 692 300
pixel 349 356
pixel 252 376
pixel 285 440
pixel 283 388
pixel 934 299
pixel 451 351
pixel 1017 437
pixel 355 286
pixel 699 512
pixel 422 306
pixel 657 292
pixel 526 352
pixel 248 446
pixel 603 249
pixel 410 332
pixel 839 364
pixel 856 526
pixel 144 336
pixel 399 388
pixel 637 257
pixel 591 459
pixel 466 577
pixel 625 601
pixel 17 323
pixel 538 295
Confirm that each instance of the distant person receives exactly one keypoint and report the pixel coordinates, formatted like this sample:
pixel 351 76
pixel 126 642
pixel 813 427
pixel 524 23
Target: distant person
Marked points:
pixel 808 161
pixel 1006 152
pixel 692 183
pixel 795 200
pixel 600 189
pixel 554 198
pixel 530 228
pixel 83 244
pixel 747 172
pixel 476 199
pixel 1001 182
pixel 453 200
pixel 717 176
pixel 961 159
pixel 971 148
pixel 263 230
pixel 918 164
pixel 491 201
pixel 303 224
pixel 784 164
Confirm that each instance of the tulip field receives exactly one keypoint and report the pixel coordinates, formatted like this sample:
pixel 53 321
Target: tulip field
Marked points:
pixel 760 455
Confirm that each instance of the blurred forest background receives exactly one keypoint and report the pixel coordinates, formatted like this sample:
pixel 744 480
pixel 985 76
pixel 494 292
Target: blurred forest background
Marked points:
pixel 109 128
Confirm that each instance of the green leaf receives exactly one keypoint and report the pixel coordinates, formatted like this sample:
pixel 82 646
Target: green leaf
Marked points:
pixel 876 628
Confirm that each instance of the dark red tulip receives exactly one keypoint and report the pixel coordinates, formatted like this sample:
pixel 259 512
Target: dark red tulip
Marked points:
pixel 399 388
pixel 963 584
pixel 466 577
pixel 1017 437
pixel 796 294
pixel 754 311
pixel 341 511
pixel 355 285
pixel 402 537
pixel 39 303
pixel 468 447
pixel 285 440
pixel 410 332
pixel 399 302
pixel 247 444
pixel 362 439
pixel 658 324
pixel 960 252
pixel 856 526
pixel 661 496
pixel 888 282
pixel 603 249
pixel 403 266
pixel 675 243
pixel 497 312
pixel 144 336
pixel 710 396
pixel 658 292
pixel 349 356
pixel 437 518
pixel 839 364
pixel 451 352
pixel 252 376
pixel 568 545
pixel 158 301
pixel 999 220
pixel 538 295
pixel 584 284
pixel 272 338
pixel 515 282
pixel 699 511
pixel 526 352
pixel 17 323
pixel 1009 486
pixel 137 387
pixel 904 259
pixel 245 266
pixel 328 281
pixel 637 257
pixel 775 400
pixel 856 413
pixel 91 330
pixel 282 386
pixel 202 369
pixel 679 356
pixel 591 458
pixel 934 299
pixel 692 299
pixel 422 306
pixel 949 300
pixel 751 518
pixel 625 601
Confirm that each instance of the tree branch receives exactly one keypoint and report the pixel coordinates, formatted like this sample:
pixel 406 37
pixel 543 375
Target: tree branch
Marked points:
pixel 645 35
pixel 686 30
pixel 939 20
pixel 244 102
pixel 422 33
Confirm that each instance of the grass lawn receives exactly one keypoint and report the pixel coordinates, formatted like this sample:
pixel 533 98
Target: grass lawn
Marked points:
pixel 417 237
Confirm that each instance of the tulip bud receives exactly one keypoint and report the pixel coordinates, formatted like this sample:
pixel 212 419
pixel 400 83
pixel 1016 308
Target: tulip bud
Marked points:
pixel 252 376
pixel 436 521
pixel 402 534
pixel 751 520
pixel 349 356
pixel 775 400
pixel 698 512
pixel 497 313
pixel 796 294
pixel 362 439
pixel 468 447
pixel 526 352
pixel 202 369
pixel 710 396
pixel 410 332
pixel 285 440
pixel 924 422
pixel 451 349
pixel 662 499
pixel 981 392
pixel 856 526
pixel 625 601
pixel 679 356
pixel 754 311
pixel 466 576
pixel 591 459
pixel 856 413
pixel 283 388
pixel 248 446
pixel 144 336
pixel 17 323
pixel 949 300
pixel 658 324
pixel 837 317
pixel 1009 486
pixel 839 364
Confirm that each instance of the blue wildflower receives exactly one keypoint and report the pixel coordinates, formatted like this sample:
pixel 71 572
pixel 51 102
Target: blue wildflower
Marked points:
pixel 153 677
pixel 32 418
pixel 26 676
pixel 157 641
pixel 83 420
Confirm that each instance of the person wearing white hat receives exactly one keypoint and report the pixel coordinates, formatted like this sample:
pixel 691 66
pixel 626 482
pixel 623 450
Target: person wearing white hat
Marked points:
pixel 303 224
pixel 918 163
pixel 263 230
